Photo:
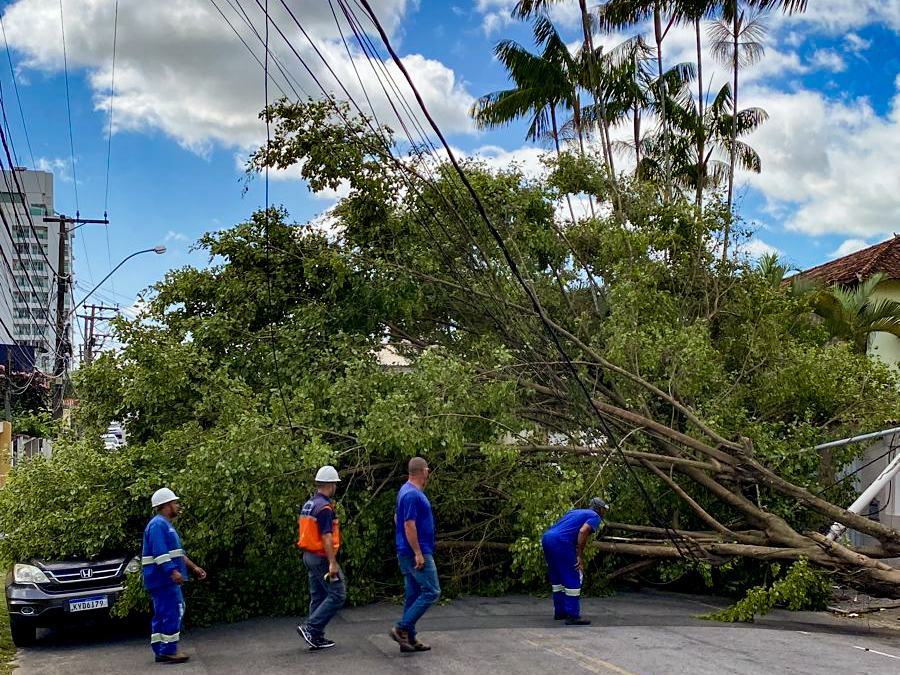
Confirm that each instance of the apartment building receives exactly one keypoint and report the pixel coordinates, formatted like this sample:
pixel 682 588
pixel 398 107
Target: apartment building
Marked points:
pixel 28 270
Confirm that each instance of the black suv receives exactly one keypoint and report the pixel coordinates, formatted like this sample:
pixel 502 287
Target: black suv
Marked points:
pixel 43 594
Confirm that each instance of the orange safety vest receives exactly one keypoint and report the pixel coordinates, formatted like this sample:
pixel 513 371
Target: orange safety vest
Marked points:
pixel 308 536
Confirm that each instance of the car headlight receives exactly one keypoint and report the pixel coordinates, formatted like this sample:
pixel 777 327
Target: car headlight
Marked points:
pixel 133 566
pixel 29 574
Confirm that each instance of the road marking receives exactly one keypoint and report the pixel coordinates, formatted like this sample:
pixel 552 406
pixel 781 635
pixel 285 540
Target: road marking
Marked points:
pixel 872 651
pixel 584 660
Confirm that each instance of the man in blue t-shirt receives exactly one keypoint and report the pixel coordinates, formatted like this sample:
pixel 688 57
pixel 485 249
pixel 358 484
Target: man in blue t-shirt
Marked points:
pixel 415 552
pixel 564 552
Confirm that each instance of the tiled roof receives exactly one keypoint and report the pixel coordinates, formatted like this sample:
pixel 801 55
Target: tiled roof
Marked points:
pixel 883 257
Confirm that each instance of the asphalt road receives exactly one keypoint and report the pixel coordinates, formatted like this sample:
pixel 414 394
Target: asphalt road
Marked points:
pixel 645 633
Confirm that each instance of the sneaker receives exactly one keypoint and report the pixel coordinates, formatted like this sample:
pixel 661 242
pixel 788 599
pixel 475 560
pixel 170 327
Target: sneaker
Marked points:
pixel 420 646
pixel 303 631
pixel 324 643
pixel 401 637
pixel 172 658
pixel 577 621
pixel 559 617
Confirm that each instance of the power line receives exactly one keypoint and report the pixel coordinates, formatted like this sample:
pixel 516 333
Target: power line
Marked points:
pixel 62 24
pixel 287 412
pixel 12 74
pixel 112 90
pixel 538 308
pixel 498 238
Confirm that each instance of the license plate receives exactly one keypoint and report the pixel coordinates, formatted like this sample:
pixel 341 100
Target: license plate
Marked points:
pixel 94 602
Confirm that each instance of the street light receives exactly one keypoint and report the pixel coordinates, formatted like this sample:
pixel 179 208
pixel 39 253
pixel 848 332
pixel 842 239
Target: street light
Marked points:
pixel 61 319
pixel 159 250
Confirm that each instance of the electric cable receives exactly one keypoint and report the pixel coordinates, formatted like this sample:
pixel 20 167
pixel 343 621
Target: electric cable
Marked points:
pixel 538 308
pixel 287 411
pixel 62 24
pixel 112 90
pixel 12 74
pixel 495 234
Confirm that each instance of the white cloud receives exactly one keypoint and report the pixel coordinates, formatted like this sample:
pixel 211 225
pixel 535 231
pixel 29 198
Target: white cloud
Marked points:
pixel 497 14
pixel 755 248
pixel 847 247
pixel 831 164
pixel 60 168
pixel 828 59
pixel 838 17
pixel 180 68
pixel 855 44
pixel 171 235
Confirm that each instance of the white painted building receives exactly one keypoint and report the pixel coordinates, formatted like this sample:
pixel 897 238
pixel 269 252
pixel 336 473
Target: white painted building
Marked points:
pixel 28 282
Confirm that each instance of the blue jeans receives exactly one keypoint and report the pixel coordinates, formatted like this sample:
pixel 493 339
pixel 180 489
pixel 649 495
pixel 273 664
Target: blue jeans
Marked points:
pixel 325 598
pixel 422 591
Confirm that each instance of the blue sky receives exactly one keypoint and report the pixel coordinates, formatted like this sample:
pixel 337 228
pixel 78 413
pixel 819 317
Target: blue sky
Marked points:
pixel 187 95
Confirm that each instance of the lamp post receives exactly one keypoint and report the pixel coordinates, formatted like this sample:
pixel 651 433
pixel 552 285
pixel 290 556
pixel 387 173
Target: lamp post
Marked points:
pixel 63 317
pixel 159 250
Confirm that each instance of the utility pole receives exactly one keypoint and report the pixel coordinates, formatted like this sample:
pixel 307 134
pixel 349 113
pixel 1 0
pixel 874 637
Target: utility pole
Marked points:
pixel 90 334
pixel 63 344
pixel 7 394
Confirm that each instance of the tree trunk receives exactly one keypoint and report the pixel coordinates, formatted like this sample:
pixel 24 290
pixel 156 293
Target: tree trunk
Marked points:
pixel 667 160
pixel 579 132
pixel 701 129
pixel 599 101
pixel 736 29
pixel 637 121
pixel 558 152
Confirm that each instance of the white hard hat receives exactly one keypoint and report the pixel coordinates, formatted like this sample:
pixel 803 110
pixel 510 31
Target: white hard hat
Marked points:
pixel 327 474
pixel 162 496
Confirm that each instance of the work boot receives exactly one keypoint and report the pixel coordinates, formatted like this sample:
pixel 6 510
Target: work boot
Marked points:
pixel 178 657
pixel 577 621
pixel 401 637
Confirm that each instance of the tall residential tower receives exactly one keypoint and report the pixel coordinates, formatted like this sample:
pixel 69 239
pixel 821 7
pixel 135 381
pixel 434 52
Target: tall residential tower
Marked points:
pixel 30 262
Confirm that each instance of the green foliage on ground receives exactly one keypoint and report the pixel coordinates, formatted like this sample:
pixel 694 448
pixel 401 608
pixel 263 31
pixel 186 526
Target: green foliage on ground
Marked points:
pixel 804 587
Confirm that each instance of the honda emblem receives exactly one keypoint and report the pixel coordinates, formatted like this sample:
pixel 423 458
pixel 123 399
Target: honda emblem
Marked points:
pixel 87 573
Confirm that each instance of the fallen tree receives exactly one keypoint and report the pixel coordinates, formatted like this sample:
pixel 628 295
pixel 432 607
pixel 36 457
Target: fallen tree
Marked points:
pixel 575 310
pixel 624 359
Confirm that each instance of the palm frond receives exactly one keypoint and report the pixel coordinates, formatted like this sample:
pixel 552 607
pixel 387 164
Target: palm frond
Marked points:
pixel 525 9
pixel 786 6
pixel 622 13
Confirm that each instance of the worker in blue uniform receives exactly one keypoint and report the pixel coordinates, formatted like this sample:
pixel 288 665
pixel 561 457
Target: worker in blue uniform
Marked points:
pixel 165 566
pixel 563 546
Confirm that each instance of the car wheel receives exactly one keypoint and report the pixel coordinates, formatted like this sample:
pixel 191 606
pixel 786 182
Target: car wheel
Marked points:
pixel 23 634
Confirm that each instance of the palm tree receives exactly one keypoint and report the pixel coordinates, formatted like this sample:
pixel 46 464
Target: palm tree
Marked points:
pixel 694 11
pixel 622 88
pixel 543 83
pixel 852 314
pixel 529 8
pixel 689 170
pixel 771 268
pixel 737 42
